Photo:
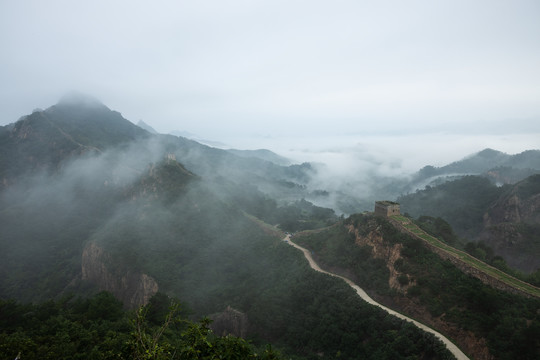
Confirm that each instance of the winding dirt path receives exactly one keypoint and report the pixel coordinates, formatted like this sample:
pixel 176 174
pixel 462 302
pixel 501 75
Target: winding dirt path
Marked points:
pixel 450 345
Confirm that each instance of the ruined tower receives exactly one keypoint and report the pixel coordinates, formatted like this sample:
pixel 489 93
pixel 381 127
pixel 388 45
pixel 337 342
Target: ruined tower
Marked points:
pixel 386 208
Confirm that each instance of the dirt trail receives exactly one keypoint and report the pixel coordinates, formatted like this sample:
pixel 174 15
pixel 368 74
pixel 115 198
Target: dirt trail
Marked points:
pixel 450 345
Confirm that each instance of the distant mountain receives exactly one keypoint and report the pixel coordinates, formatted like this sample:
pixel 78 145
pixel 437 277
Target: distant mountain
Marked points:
pixel 262 154
pixel 44 139
pixel 80 125
pixel 191 136
pixel 185 134
pixel 498 166
pixel 146 127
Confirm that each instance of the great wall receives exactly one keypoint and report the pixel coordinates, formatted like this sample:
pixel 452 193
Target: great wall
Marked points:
pixel 465 262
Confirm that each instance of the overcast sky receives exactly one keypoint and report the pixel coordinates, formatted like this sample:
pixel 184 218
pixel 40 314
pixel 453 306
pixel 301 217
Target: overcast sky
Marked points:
pixel 274 68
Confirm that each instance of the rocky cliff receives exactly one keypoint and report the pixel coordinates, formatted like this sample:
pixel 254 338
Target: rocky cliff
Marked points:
pixel 132 288
pixel 230 322
pixel 512 225
pixel 389 253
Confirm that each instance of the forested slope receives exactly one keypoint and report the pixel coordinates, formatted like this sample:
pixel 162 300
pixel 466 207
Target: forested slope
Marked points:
pixel 505 219
pixel 401 272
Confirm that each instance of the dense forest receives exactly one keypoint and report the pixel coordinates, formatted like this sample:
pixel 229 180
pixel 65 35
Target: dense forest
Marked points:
pixel 99 328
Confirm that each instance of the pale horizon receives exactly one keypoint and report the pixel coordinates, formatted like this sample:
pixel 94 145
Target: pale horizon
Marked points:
pixel 281 69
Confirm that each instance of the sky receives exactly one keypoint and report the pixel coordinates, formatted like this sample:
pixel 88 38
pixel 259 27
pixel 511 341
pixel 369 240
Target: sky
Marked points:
pixel 255 73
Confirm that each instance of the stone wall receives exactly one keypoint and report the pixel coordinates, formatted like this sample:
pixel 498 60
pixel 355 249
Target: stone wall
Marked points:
pixel 463 266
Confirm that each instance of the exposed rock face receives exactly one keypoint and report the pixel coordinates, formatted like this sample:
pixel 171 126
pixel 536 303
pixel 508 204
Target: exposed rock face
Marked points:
pixel 513 222
pixel 230 322
pixel 382 250
pixel 506 210
pixel 132 288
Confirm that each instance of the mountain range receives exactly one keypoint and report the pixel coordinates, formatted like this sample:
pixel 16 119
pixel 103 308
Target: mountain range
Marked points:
pixel 89 201
pixel 499 167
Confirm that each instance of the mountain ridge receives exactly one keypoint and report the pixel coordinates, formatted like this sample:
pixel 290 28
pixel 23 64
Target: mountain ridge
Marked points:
pixel 499 167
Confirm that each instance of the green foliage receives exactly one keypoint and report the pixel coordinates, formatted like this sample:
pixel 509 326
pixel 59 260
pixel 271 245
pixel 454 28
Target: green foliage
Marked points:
pixel 336 247
pixel 73 329
pixel 482 252
pixel 529 187
pixel 326 317
pixel 439 228
pixel 94 328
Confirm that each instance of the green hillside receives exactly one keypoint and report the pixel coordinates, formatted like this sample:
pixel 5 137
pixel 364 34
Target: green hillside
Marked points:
pixel 428 288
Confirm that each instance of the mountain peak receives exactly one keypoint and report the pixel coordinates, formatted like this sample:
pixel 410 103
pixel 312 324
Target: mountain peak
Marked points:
pixel 75 98
pixel 146 127
pixel 489 153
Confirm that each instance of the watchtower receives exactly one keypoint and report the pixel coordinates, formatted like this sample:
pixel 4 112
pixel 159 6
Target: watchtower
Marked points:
pixel 386 208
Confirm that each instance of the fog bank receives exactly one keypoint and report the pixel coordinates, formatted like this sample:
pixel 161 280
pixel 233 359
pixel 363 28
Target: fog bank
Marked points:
pixel 385 154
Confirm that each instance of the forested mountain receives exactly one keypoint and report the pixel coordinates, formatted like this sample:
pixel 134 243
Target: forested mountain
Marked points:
pixel 146 127
pixel 44 140
pixel 91 202
pixel 497 166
